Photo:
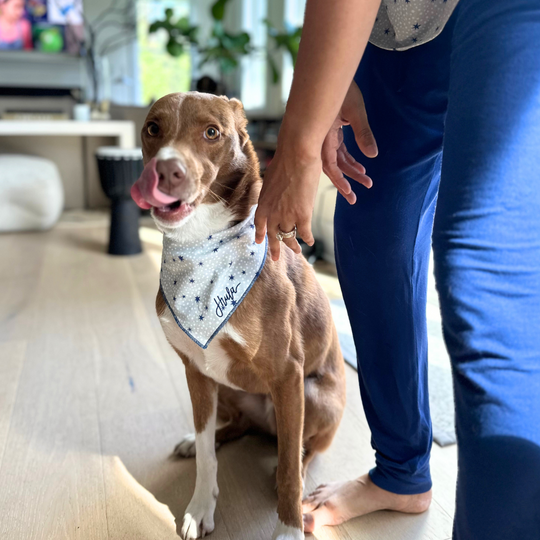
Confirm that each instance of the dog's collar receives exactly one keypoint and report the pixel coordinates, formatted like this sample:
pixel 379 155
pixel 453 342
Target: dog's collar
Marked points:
pixel 204 281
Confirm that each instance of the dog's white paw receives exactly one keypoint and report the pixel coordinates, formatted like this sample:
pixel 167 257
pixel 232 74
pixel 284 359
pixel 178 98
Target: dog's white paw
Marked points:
pixel 186 447
pixel 198 521
pixel 284 532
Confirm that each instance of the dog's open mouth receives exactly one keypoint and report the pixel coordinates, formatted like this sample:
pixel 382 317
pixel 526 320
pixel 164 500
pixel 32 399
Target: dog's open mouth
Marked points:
pixel 174 211
pixel 170 207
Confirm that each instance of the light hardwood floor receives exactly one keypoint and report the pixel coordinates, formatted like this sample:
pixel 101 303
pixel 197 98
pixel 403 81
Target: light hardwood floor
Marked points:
pixel 93 400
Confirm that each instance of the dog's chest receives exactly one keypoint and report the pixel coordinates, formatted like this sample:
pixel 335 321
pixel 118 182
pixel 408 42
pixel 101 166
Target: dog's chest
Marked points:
pixel 214 362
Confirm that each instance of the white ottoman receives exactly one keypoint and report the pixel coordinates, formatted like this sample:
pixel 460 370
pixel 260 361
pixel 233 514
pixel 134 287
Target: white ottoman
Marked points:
pixel 31 193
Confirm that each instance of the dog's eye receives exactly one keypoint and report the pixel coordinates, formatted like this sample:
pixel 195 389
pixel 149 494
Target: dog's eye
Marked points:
pixel 153 129
pixel 211 133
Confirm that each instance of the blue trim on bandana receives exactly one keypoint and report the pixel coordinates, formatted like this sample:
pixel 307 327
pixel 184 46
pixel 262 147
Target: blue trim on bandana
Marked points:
pixel 235 306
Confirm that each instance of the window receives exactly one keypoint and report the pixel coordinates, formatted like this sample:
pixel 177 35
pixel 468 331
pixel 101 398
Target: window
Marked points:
pixel 254 69
pixel 294 17
pixel 160 73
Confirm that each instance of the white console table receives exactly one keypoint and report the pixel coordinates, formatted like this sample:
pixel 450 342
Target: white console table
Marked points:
pixel 76 164
pixel 123 130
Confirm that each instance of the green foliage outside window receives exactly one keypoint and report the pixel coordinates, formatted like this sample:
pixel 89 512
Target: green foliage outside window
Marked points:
pixel 222 47
pixel 159 73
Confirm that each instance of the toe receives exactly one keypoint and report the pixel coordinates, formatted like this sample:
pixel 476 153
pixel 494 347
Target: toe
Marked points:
pixel 317 490
pixel 309 504
pixel 309 523
pixel 315 498
pixel 323 515
pixel 207 525
pixel 189 528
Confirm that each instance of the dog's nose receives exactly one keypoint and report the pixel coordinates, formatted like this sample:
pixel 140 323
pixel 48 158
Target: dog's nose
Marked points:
pixel 171 173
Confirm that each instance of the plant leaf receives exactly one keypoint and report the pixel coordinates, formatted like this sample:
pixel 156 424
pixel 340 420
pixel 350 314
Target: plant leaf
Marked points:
pixel 155 26
pixel 175 48
pixel 273 68
pixel 218 10
pixel 288 40
pixel 228 63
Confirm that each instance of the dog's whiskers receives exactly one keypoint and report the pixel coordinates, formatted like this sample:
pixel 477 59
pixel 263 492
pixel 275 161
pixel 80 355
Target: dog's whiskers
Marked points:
pixel 216 196
pixel 223 185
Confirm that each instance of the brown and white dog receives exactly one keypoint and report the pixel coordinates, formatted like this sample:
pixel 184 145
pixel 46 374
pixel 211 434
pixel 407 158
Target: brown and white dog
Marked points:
pixel 276 365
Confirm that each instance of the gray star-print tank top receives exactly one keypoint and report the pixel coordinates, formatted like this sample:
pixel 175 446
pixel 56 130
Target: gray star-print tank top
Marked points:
pixel 402 24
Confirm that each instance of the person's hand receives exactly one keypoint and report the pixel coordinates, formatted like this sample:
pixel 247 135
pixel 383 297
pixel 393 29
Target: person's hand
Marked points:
pixel 335 158
pixel 287 198
pixel 292 178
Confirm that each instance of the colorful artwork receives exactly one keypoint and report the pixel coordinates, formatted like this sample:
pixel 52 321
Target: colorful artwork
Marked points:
pixel 50 26
pixel 65 12
pixel 15 28
pixel 48 38
pixel 37 10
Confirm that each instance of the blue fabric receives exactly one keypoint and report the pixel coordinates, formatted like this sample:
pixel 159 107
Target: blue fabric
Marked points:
pixel 470 99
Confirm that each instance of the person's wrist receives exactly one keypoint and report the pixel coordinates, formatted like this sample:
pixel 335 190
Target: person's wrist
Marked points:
pixel 302 141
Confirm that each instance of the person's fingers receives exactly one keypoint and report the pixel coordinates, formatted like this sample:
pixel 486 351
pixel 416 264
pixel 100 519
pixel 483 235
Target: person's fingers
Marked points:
pixel 273 242
pixel 348 168
pixel 335 152
pixel 260 225
pixel 336 177
pixel 331 169
pixel 363 179
pixel 344 154
pixel 288 226
pixel 293 244
pixel 362 131
pixel 304 230
pixel 318 518
pixel 357 117
pixel 341 183
pixel 279 224
pixel 365 140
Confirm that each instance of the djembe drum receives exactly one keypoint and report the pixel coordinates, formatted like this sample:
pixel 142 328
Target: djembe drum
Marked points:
pixel 118 169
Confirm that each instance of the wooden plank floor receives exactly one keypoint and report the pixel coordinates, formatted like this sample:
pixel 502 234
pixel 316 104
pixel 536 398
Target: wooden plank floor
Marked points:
pixel 93 400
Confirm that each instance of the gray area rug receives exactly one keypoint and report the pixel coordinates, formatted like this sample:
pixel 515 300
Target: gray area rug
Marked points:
pixel 441 395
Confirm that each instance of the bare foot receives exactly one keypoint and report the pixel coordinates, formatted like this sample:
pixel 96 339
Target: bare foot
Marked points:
pixel 335 503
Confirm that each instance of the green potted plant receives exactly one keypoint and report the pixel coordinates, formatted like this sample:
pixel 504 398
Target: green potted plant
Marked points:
pixel 222 48
pixel 182 35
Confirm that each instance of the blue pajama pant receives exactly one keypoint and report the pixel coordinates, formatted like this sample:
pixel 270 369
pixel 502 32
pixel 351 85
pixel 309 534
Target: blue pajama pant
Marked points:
pixel 457 121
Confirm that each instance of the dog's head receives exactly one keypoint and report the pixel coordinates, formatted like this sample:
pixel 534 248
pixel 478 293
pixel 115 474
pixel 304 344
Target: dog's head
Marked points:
pixel 196 151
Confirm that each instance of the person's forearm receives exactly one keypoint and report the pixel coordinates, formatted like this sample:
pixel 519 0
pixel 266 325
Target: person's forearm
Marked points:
pixel 334 37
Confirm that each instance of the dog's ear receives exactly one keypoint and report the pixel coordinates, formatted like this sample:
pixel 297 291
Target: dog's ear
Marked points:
pixel 240 120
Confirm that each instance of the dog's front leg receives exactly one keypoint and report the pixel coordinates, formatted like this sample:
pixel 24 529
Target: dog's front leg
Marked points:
pixel 199 516
pixel 288 397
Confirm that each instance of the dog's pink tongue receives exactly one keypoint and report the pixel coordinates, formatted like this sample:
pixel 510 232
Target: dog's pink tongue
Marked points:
pixel 145 190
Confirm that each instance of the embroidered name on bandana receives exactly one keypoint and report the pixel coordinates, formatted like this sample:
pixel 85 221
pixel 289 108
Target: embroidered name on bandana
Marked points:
pixel 203 282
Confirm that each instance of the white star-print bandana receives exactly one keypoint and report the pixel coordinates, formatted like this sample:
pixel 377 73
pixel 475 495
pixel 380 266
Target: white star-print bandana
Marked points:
pixel 204 281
